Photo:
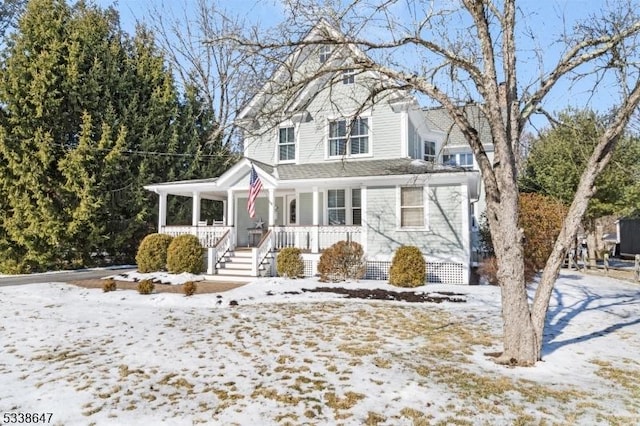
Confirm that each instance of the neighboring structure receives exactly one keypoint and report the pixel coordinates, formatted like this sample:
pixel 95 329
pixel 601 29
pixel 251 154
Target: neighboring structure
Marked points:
pixel 334 165
pixel 628 231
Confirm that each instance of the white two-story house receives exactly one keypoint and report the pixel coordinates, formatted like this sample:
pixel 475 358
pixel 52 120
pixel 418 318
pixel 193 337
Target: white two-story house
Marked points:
pixel 337 160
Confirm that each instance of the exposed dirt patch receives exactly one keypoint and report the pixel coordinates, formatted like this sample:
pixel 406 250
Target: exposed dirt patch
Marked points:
pixel 405 296
pixel 203 286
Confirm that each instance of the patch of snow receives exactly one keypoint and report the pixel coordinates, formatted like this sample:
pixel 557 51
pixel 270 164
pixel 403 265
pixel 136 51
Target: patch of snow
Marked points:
pixel 281 353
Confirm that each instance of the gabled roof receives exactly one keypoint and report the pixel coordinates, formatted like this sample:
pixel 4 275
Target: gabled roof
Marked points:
pixel 303 95
pixel 439 118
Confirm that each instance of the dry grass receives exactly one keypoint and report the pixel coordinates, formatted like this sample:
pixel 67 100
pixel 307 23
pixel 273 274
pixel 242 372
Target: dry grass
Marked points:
pixel 307 360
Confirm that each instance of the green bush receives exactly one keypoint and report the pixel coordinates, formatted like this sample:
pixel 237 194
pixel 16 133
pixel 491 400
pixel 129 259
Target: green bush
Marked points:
pixel 152 253
pixel 189 288
pixel 109 285
pixel 146 287
pixel 289 263
pixel 342 261
pixel 185 254
pixel 407 267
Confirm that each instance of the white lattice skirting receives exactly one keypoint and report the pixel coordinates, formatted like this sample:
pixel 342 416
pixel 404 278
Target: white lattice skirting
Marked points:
pixel 437 273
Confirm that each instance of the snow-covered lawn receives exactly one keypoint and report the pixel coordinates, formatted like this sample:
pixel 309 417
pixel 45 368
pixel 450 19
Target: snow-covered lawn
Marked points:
pixel 286 356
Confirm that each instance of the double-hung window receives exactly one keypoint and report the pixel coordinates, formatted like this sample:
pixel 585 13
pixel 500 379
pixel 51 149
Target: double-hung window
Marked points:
pixel 344 206
pixel 287 144
pixel 412 207
pixel 429 151
pixel 337 209
pixel 349 137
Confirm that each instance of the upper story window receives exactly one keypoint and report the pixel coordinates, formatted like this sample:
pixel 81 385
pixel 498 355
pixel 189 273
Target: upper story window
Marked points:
pixel 324 53
pixel 449 159
pixel 429 151
pixel 461 160
pixel 412 207
pixel 349 137
pixel 348 76
pixel 465 160
pixel 287 144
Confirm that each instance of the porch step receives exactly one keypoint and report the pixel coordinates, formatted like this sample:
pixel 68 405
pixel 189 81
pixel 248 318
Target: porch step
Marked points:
pixel 229 272
pixel 236 263
pixel 228 278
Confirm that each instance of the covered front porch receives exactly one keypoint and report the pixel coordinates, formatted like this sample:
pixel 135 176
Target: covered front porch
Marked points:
pixel 284 217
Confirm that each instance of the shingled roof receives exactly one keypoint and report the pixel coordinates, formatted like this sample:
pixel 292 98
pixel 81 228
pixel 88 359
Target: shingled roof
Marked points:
pixel 439 119
pixel 360 168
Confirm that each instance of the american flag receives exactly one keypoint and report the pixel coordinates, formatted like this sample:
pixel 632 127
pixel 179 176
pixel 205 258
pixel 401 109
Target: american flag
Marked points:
pixel 255 185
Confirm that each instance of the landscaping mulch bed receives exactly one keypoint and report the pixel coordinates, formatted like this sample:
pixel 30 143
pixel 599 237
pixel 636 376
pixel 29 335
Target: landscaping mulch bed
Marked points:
pixel 405 296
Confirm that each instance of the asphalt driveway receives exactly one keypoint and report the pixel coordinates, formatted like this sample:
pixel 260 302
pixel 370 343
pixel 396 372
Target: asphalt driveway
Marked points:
pixel 62 276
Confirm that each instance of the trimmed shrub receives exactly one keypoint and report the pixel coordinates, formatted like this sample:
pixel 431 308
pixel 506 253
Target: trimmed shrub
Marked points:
pixel 146 287
pixel 407 267
pixel 185 254
pixel 189 288
pixel 541 219
pixel 152 253
pixel 109 285
pixel 289 263
pixel 342 261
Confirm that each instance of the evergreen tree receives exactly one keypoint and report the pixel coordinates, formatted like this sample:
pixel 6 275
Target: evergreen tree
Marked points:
pixel 559 157
pixel 88 115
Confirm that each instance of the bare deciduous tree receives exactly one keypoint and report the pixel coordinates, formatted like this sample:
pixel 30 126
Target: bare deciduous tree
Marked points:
pixel 223 75
pixel 465 53
pixel 10 10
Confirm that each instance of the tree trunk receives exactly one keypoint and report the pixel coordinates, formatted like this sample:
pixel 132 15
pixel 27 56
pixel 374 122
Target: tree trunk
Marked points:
pixel 520 342
pixel 592 241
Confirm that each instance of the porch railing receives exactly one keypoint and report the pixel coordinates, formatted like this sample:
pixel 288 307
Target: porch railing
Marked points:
pixel 314 238
pixel 258 254
pixel 218 252
pixel 208 235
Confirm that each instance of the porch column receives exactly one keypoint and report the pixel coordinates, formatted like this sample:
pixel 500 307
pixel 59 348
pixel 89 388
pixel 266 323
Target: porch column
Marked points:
pixel 316 213
pixel 224 213
pixel 195 211
pixel 363 218
pixel 272 207
pixel 229 207
pixel 162 211
pixel 315 237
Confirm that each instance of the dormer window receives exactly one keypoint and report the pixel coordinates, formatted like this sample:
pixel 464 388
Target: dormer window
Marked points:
pixel 348 76
pixel 324 53
pixel 287 144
